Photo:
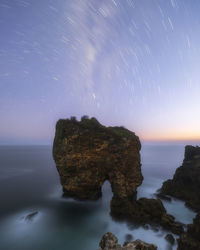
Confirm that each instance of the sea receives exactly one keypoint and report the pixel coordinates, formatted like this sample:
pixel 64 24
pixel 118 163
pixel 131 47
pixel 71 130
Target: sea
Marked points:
pixel 35 216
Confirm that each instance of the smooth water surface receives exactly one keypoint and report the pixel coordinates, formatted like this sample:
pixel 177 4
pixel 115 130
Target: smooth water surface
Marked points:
pixel 29 183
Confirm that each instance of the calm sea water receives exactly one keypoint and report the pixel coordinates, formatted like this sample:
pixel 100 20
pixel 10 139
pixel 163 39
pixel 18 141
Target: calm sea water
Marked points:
pixel 29 182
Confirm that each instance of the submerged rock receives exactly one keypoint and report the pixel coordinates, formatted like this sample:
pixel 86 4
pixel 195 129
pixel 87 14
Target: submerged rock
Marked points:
pixel 110 242
pixel 87 153
pixel 191 239
pixel 185 184
pixel 31 216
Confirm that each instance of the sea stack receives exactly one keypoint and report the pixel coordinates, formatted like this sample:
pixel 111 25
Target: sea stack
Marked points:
pixel 87 154
pixel 185 184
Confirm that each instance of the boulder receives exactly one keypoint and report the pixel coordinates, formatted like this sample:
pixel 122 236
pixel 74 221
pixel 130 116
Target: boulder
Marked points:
pixel 110 242
pixel 185 184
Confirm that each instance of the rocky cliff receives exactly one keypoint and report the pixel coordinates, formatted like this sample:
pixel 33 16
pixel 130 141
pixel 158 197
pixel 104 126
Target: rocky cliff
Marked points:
pixel 87 153
pixel 186 181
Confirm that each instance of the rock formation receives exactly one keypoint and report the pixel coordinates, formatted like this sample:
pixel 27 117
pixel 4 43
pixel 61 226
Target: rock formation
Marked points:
pixel 186 181
pixel 110 242
pixel 144 211
pixel 191 239
pixel 87 153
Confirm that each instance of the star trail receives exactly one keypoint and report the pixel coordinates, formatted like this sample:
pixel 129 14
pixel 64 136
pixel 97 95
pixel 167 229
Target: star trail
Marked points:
pixel 126 62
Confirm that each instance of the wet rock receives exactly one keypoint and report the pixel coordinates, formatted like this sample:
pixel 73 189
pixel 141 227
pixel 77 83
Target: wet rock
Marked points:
pixel 138 245
pixel 31 216
pixel 191 239
pixel 145 211
pixel 128 237
pixel 155 228
pixel 87 153
pixel 146 226
pixel 170 239
pixel 185 184
pixel 110 242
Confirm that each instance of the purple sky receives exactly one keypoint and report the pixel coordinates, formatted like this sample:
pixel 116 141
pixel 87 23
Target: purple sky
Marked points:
pixel 126 62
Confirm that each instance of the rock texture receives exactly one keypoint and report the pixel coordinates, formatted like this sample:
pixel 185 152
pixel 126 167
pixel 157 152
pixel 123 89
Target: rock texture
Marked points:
pixel 145 211
pixel 87 153
pixel 186 181
pixel 191 239
pixel 110 242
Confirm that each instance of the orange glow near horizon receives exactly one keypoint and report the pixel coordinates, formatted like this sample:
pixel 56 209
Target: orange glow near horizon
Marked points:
pixel 171 136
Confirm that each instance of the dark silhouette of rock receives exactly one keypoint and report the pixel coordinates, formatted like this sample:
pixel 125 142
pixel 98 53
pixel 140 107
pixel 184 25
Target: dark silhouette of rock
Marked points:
pixel 170 239
pixel 146 226
pixel 31 216
pixel 128 237
pixel 185 184
pixel 145 211
pixel 110 242
pixel 191 239
pixel 87 153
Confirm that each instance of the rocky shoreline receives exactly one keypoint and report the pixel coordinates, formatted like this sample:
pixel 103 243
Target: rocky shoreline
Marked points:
pixel 185 185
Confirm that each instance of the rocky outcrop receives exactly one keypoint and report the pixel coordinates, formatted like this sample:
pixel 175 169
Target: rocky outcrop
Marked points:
pixel 110 242
pixel 191 239
pixel 87 153
pixel 185 184
pixel 145 211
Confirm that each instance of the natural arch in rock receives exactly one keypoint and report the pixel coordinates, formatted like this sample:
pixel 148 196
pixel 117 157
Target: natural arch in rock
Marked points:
pixel 87 154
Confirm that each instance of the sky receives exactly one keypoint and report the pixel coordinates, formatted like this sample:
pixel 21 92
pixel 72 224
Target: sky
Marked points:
pixel 126 62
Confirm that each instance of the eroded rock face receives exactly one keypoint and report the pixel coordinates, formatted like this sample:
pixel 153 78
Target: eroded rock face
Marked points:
pixel 186 181
pixel 110 242
pixel 191 239
pixel 87 153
